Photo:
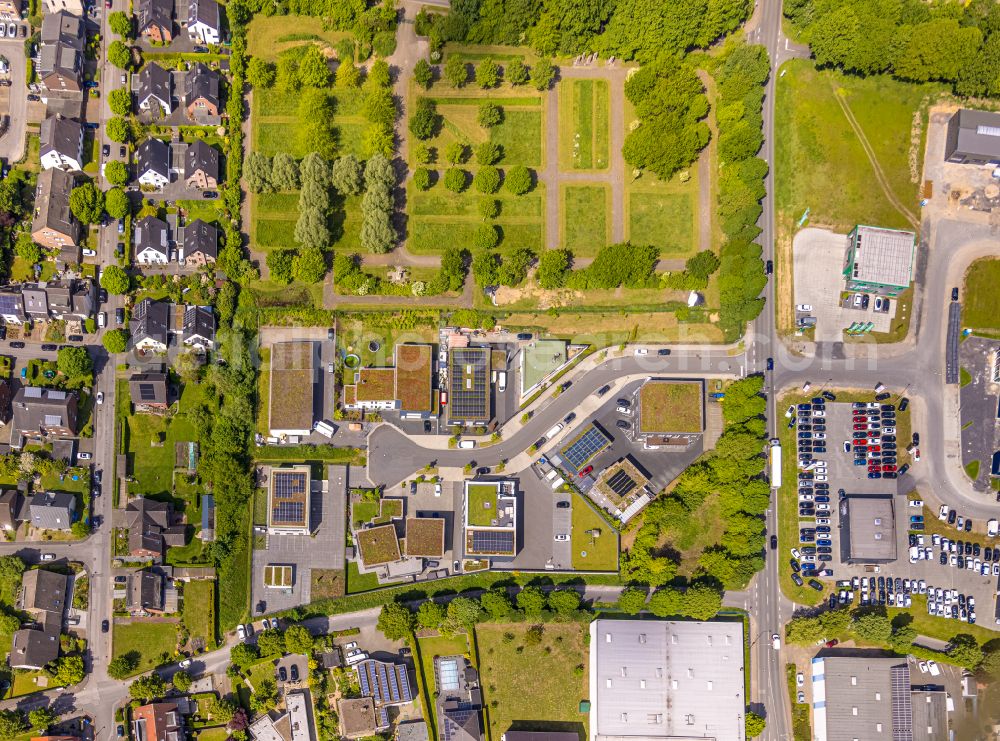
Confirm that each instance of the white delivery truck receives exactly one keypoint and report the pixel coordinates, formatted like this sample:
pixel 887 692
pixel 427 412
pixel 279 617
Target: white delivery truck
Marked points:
pixel 325 429
pixel 553 431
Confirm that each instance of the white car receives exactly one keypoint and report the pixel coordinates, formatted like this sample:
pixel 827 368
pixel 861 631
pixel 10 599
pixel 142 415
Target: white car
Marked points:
pixel 48 557
pixel 819 435
pixel 992 527
pixel 800 679
pixel 795 554
pixel 889 431
pixel 996 569
pixel 936 539
pixel 185 664
pixel 804 307
pixel 776 641
pixel 437 490
pixel 241 632
pixel 961 522
pixel 920 539
pixel 790 411
pixel 821 477
pixel 100 397
pixel 561 537
pixel 819 413
pixel 916 502
pixel 943 512
pixel 822 521
pixel 349 646
pixel 84 456
pixel 923 667
pixel 805 497
pixel 641 351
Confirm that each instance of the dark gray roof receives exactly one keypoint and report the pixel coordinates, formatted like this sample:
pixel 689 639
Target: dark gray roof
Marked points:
pixel 204 11
pixel 156 12
pixel 201 82
pixel 52 204
pixel 156 82
pixel 200 236
pixel 200 156
pixel 978 133
pixel 34 648
pixel 152 233
pixel 149 527
pixel 11 303
pixel 63 27
pixel 154 154
pixel 43 590
pixel 11 504
pixel 52 510
pixel 39 408
pixel 59 292
pixel 150 319
pixel 61 135
pixel 461 723
pixel 36 300
pixel 145 591
pixel 199 321
pixel 148 388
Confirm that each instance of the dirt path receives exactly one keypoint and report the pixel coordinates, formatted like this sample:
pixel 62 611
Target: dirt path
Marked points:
pixel 256 256
pixel 410 49
pixel 705 209
pixel 870 153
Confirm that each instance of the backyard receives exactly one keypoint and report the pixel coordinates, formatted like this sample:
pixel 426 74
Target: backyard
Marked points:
pixel 147 640
pixel 514 657
pixel 430 646
pixel 199 611
pixel 981 299
pixel 592 553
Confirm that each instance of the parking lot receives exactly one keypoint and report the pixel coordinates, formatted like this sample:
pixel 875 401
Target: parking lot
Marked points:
pixel 979 407
pixel 819 265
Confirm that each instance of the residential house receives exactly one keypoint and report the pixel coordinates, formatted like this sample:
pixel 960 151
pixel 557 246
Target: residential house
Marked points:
pixel 153 158
pixel 11 507
pixel 69 6
pixel 201 244
pixel 198 331
pixel 36 301
pixel 201 165
pixel 204 21
pixel 159 721
pixel 40 413
pixel 71 298
pixel 152 241
pixel 60 61
pixel 33 649
pixel 156 20
pixel 10 10
pixel 145 592
pixel 52 510
pixel 155 88
pixel 61 143
pixel 53 225
pixel 43 596
pixel 151 529
pixel 150 324
pixel 201 92
pixel 149 392
pixel 12 305
pixel 5 410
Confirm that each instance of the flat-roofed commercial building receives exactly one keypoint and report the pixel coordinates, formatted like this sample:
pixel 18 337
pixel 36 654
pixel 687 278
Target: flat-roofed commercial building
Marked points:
pixel 870 698
pixel 879 260
pixel 288 500
pixel 867 528
pixel 973 138
pixel 664 679
pixel 292 388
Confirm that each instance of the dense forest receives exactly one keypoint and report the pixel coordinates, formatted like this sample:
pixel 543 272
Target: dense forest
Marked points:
pixel 914 40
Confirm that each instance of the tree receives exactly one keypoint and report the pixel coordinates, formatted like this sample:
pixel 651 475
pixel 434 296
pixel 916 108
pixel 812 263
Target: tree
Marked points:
pixel 316 132
pixel 9 623
pixel 488 153
pixel 313 68
pixel 496 603
pixel 514 267
pixel 666 602
pixel 11 723
pixel 74 361
pixel 26 248
pixel 490 115
pixel 518 180
pixel 485 267
pixel 871 626
pixel 455 71
pixel 181 681
pixel 455 179
pixel 284 172
pixel 423 75
pixel 243 655
pixel 118 130
pixel 261 74
pixel 309 266
pixel 395 621
pixel 422 178
pixel 564 601
pixel 279 265
pixel 465 612
pixel 120 101
pixel 147 687
pixel 425 121
pixel 378 170
pixel 346 175
pixel 379 74
pixel 632 600
pixel 423 154
pixel 552 268
pixel 430 615
pixel 119 54
pixel 87 203
pixel 486 237
pixel 41 718
pixel 270 642
pixel 754 724
pixel 488 74
pixel 516 72
pixel 11 570
pixel 489 208
pixel 377 233
pixel 531 600
pixel 312 229
pixel 222 709
pixel 487 179
pixel 115 280
pixel 456 153
pixel 265 696
pixel 990 665
pixel 542 74
pixel 348 76
pixel 965 651
pixel 116 203
pixel 702 602
pixel 121 24
pixel 298 640
pixel 115 340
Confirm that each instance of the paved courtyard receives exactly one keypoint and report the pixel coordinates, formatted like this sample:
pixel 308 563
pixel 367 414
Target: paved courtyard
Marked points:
pixel 980 406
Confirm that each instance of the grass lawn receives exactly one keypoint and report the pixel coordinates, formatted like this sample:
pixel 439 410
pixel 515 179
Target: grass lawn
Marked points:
pixel 24 683
pixel 944 629
pixel 431 237
pixel 584 214
pixel 801 728
pixel 199 610
pixel 358 582
pixel 428 648
pixel 981 307
pixel 555 670
pixel 481 504
pixel 584 121
pixel 148 640
pixel 670 407
pixel 362 512
pixel 664 215
pixel 209 211
pixel 218 733
pixel 590 553
pixel 260 671
pixel 972 469
pixel 270 35
pixel 354 336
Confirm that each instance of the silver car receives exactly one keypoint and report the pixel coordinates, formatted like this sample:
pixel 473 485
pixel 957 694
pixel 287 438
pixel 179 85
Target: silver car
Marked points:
pixel 12 30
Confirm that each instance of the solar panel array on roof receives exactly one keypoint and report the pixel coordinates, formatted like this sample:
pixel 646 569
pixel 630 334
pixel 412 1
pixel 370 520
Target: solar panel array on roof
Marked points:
pixel 288 485
pixel 53 420
pixel 382 720
pixel 621 483
pixel 469 383
pixel 56 394
pixel 454 720
pixel 902 710
pixel 33 392
pixel 147 392
pixel 585 447
pixel 386 683
pixel 288 512
pixel 363 679
pixel 492 541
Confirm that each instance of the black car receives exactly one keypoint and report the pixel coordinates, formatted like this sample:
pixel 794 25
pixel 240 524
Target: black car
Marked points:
pixel 794 564
pixel 864 301
pixel 49 347
pixel 770 363
pixel 976 550
pixel 622 424
pixel 770 267
pixel 524 335
pixel 816 585
pixel 774 542
pixel 120 250
pixel 883 396
pixel 17 345
pixel 916 438
pixel 663 351
pixel 602 390
pixel 829 396
pixel 121 731
pixel 120 315
pixel 943 559
pixel 427 425
pixel 282 674
pixel 562 505
pixel 954 293
pixel 105 626
pixel 33 98
pixel 569 418
pixel 968 526
pixel 106 150
pixel 121 151
pixel 295 673
pixel 102 295
pixel 797 579
pixel 903 404
pixel 209 194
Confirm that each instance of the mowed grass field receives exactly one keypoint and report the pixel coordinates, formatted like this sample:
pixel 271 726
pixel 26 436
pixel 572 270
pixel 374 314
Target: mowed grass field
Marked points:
pixel 584 123
pixel 553 671
pixel 981 298
pixel 664 215
pixel 148 640
pixel 590 553
pixel 820 162
pixel 199 610
pixel 584 213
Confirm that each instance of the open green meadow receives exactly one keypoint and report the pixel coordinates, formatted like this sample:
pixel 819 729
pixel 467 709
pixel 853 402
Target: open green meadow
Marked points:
pixel 981 298
pixel 584 124
pixel 584 214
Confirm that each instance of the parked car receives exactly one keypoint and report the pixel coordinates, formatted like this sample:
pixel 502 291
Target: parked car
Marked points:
pixel 282 674
pixel 295 673
pixel 84 456
pixel 105 627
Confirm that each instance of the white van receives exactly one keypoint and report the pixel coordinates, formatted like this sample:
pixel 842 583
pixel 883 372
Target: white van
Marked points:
pixel 102 319
pixel 466 444
pixel 554 430
pixel 992 528
pixel 501 381
pixel 325 429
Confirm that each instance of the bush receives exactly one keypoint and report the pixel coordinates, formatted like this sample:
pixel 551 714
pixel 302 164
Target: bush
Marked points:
pixel 422 178
pixel 516 72
pixel 116 173
pixel 487 179
pixel 518 180
pixel 489 208
pixel 455 179
pixel 456 153
pixel 423 74
pixel 488 153
pixel 488 74
pixel 115 340
pixel 486 237
pixel 455 71
pixel 542 74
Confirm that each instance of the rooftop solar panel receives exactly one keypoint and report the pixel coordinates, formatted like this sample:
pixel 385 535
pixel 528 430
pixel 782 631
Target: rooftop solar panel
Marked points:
pixel 902 710
pixel 146 392
pixel 383 718
pixel 363 679
pixel 585 447
pixel 469 384
pixel 621 483
pixel 453 722
pixel 492 541
pixel 289 485
pixel 288 512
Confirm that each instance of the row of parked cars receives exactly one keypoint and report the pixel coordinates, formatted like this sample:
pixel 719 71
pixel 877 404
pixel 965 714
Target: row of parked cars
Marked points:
pixel 873 439
pixel 950 603
pixel 956 553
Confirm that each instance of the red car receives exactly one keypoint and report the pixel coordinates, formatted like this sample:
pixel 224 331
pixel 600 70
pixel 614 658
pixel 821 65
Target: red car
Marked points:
pixel 875 449
pixel 587 470
pixel 860 428
pixel 831 644
pixel 889 467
